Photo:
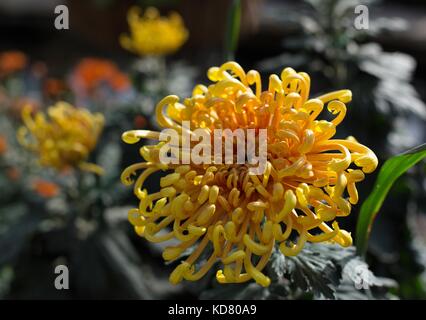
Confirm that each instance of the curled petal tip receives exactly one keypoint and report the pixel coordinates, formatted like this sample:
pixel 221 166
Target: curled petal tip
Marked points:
pixel 130 137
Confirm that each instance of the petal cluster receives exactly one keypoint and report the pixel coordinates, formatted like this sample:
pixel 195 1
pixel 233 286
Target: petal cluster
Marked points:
pixel 64 137
pixel 152 34
pixel 222 213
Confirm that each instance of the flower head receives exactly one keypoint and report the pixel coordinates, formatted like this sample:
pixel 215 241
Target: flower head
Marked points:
pixel 63 139
pixel 54 88
pixel 3 145
pixel 152 34
pixel 230 215
pixel 11 62
pixel 91 73
pixel 45 189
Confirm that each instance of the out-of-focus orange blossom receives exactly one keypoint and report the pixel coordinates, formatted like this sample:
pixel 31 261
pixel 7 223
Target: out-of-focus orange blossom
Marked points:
pixel 11 62
pixel 91 73
pixel 45 189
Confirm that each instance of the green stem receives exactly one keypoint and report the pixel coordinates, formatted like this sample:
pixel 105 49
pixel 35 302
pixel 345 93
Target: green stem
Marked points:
pixel 232 29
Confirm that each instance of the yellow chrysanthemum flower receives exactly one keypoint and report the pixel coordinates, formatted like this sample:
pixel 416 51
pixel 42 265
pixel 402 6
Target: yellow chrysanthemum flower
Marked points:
pixel 152 34
pixel 237 217
pixel 63 140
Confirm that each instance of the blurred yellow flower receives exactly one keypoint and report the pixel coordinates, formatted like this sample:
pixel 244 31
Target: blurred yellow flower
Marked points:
pixel 235 217
pixel 152 34
pixel 63 140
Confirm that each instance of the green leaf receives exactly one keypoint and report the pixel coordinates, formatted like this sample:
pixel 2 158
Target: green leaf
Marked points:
pixel 232 29
pixel 359 283
pixel 391 170
pixel 316 269
pixel 319 271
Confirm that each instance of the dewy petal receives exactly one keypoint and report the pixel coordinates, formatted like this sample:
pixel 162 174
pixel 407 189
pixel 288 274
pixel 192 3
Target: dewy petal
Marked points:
pixel 229 215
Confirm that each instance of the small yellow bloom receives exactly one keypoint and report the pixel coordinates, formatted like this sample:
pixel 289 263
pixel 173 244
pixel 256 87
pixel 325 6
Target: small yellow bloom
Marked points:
pixel 152 34
pixel 64 139
pixel 235 217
